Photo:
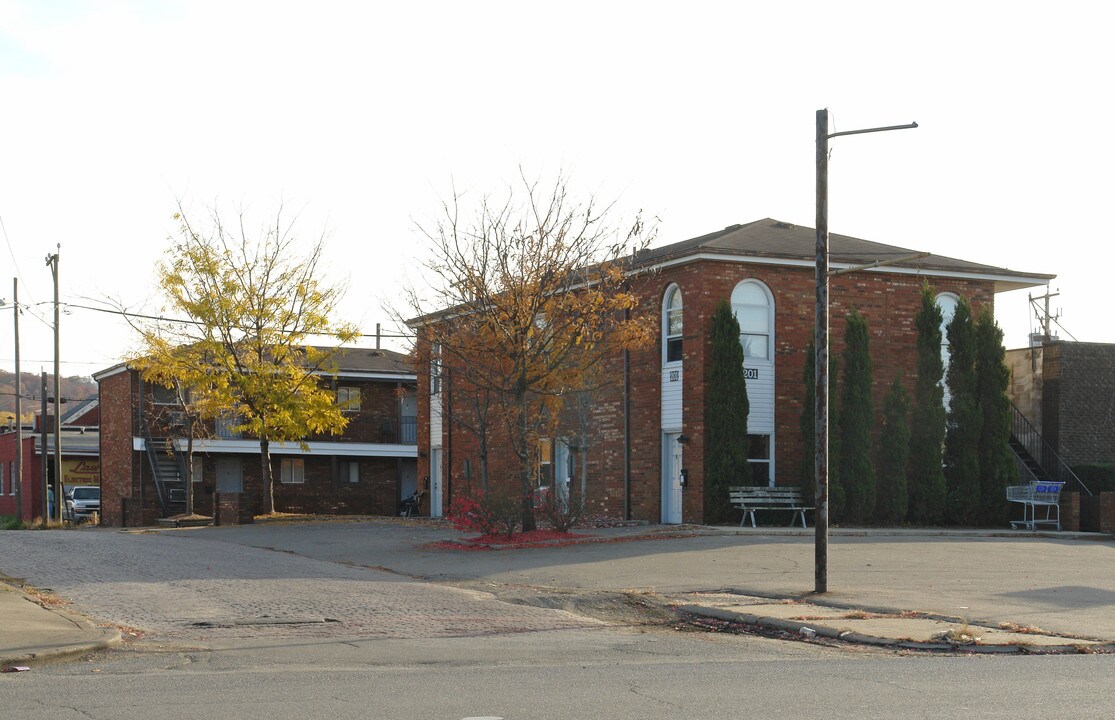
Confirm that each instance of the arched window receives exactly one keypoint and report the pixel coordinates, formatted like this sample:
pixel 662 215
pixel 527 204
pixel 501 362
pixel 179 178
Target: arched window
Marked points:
pixel 751 302
pixel 671 325
pixel 753 305
pixel 947 303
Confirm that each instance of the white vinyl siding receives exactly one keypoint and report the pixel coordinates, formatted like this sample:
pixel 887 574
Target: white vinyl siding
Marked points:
pixel 753 305
pixel 672 328
pixel 435 398
pixel 671 397
pixel 947 303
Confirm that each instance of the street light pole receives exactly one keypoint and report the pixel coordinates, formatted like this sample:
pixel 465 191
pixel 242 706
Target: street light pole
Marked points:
pixel 821 345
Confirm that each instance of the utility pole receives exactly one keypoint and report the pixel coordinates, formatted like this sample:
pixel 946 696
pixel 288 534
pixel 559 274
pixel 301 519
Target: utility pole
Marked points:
pixel 18 478
pixel 821 342
pixel 52 261
pixel 43 454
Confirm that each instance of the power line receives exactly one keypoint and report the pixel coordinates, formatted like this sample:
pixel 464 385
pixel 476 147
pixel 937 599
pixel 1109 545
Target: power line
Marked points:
pixel 12 253
pixel 162 318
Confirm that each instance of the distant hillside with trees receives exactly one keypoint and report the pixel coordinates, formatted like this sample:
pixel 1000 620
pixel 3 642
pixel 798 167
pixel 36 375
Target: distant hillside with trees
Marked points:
pixel 73 388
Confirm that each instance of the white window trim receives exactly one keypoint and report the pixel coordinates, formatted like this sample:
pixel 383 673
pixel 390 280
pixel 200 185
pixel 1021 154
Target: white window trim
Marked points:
pixel 671 290
pixel 769 359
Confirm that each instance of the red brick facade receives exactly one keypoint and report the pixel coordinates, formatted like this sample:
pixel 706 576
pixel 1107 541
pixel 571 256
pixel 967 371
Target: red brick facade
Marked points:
pixel 888 300
pixel 377 442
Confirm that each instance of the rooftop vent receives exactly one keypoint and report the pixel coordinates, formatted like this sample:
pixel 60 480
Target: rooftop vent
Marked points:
pixel 784 225
pixel 737 226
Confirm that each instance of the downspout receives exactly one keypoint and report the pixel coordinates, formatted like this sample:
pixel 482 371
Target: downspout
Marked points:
pixel 447 420
pixel 627 432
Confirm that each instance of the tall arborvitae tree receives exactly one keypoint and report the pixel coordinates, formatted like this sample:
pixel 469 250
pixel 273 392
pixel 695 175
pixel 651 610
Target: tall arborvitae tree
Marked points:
pixel 857 418
pixel 725 416
pixel 996 460
pixel 927 426
pixel 894 456
pixel 965 421
pixel 808 474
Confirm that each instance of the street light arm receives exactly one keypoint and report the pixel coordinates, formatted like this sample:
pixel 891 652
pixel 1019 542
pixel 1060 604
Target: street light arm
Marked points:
pixel 872 130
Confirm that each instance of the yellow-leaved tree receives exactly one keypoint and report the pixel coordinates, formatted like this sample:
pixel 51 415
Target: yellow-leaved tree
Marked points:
pixel 525 296
pixel 248 306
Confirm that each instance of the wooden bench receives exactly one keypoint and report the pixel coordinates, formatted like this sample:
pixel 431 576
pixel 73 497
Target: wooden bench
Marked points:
pixel 750 499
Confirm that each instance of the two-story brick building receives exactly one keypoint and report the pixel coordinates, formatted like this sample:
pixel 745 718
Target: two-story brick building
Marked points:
pixel 648 431
pixel 365 470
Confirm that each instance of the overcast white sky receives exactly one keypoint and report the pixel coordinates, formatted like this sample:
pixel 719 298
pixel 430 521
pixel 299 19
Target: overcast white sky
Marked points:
pixel 361 113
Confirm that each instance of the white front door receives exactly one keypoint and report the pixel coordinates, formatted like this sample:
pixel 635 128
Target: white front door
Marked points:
pixel 671 479
pixel 435 482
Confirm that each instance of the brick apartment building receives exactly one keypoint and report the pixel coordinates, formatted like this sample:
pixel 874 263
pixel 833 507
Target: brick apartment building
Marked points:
pixel 365 470
pixel 647 426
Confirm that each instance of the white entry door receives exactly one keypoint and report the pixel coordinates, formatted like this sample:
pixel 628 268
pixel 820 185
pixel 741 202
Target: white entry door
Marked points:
pixel 671 479
pixel 435 482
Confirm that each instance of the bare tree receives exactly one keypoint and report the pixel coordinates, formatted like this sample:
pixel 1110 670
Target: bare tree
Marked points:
pixel 528 292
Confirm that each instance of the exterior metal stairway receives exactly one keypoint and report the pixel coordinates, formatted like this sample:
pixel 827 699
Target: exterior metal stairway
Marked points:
pixel 167 471
pixel 1036 459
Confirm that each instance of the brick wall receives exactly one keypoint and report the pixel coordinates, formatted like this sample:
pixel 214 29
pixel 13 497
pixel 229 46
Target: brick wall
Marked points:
pixel 1078 403
pixel 888 301
pixel 118 476
pixel 323 492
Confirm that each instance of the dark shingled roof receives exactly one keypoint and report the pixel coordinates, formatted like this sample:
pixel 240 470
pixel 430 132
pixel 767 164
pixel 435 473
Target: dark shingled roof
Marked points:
pixel 775 240
pixel 373 361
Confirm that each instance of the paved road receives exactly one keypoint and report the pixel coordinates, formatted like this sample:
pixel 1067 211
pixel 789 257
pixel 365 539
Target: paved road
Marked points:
pixel 185 587
pixel 611 674
pixel 1062 585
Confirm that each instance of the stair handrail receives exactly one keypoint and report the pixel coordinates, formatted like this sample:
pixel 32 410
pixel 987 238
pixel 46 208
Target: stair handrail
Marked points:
pixel 153 461
pixel 1040 450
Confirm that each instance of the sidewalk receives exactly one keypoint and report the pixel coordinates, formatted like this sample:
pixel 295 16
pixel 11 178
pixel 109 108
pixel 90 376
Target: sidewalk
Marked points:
pixel 31 634
pixel 897 588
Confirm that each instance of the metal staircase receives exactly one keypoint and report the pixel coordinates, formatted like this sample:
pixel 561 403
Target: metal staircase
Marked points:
pixel 166 467
pixel 1037 460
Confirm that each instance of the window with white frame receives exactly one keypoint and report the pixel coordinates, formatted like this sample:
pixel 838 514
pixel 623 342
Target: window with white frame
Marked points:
pixel 759 456
pixel 946 303
pixel 292 471
pixel 348 399
pixel 545 471
pixel 14 479
pixel 2 479
pixel 672 325
pixel 435 369
pixel 753 308
pixel 197 472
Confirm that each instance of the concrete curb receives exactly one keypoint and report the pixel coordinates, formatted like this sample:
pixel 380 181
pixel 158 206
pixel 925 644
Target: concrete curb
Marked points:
pixel 796 626
pixel 77 635
pixel 111 638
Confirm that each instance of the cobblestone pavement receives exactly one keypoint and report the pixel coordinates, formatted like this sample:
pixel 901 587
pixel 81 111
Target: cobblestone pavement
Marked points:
pixel 175 588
